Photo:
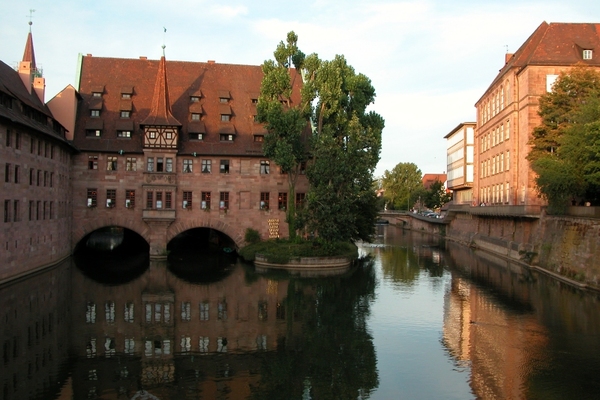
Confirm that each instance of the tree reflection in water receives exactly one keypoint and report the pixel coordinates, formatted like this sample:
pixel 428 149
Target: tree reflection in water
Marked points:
pixel 333 355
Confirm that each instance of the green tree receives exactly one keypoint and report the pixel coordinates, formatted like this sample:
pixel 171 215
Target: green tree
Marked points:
pixel 284 120
pixel 436 196
pixel 402 186
pixel 341 204
pixel 565 148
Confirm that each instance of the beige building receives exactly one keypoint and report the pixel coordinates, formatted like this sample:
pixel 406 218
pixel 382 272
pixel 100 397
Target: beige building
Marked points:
pixel 508 110
pixel 460 155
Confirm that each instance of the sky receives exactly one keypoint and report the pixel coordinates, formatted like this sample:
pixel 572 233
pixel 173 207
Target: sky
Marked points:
pixel 429 60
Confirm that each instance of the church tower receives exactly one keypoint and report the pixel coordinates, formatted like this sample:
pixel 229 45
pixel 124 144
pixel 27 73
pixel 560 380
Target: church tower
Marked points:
pixel 28 71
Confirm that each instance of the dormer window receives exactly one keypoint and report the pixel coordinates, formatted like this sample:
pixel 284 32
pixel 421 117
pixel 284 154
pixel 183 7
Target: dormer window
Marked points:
pixel 96 94
pixel 225 117
pixel 223 99
pixel 126 92
pixel 254 101
pixel 125 114
pixel 194 99
pixel 224 96
pixel 226 138
pixel 95 113
pixel 196 116
pixel 587 54
pixel 126 96
pixel 259 138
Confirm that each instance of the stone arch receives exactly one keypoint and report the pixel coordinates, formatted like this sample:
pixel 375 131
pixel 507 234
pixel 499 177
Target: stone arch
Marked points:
pixel 84 228
pixel 234 232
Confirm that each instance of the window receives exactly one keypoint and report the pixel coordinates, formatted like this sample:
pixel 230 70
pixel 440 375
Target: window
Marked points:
pixel 17 174
pixel 158 312
pixel 223 99
pixel 111 163
pixel 168 200
pixel 222 310
pixel 264 200
pixel 204 308
pixel 111 198
pixel 507 160
pixel 186 311
pixel 149 199
pixel 159 164
pixel 263 311
pixel 196 136
pixel 203 344
pixel 224 200
pixel 195 116
pixel 8 138
pixel 94 113
pixel 124 134
pixel 109 311
pixel 223 137
pixel 150 164
pixel 225 117
pixel 259 138
pixel 194 99
pixel 39 177
pixel 187 166
pixel 92 162
pixel 169 165
pixel 125 114
pixel 224 168
pixel 31 176
pixel 222 345
pixel 159 200
pixel 205 200
pixel 45 178
pixel 187 200
pixel 300 197
pixel 38 210
pixel 32 146
pixel 31 210
pixel 126 96
pixel 130 198
pixel 96 94
pixel 206 166
pixel 128 315
pixel 264 166
pixel 7 211
pixel 90 313
pixel 131 164
pixel 92 197
pixel 303 168
pixel 93 133
pixel 17 140
pixel 7 173
pixel 587 54
pixel 282 201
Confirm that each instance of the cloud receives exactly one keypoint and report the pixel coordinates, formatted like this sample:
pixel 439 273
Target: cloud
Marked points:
pixel 229 12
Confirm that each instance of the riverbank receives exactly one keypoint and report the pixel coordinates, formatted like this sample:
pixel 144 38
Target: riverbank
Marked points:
pixel 564 247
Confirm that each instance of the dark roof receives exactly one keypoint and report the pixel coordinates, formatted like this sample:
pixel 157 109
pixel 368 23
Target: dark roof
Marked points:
pixel 12 85
pixel 210 81
pixel 560 44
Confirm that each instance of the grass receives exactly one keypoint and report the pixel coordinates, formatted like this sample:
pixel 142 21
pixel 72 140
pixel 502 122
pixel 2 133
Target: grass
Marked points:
pixel 280 251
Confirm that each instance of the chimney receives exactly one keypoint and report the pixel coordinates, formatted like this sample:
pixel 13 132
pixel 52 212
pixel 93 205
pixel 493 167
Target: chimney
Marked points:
pixel 39 86
pixel 507 57
pixel 211 61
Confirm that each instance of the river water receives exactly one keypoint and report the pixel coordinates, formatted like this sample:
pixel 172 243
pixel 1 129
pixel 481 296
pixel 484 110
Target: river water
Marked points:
pixel 417 318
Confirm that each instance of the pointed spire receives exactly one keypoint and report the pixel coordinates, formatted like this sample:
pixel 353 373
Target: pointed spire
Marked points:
pixel 160 112
pixel 29 54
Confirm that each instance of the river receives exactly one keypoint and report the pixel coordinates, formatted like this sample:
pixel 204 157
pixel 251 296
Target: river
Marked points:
pixel 417 318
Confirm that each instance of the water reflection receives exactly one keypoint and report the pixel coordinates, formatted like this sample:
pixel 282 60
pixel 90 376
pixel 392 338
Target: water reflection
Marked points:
pixel 421 318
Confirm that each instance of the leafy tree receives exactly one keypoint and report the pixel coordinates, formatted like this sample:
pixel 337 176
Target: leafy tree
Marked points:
pixel 565 148
pixel 341 204
pixel 436 196
pixel 284 120
pixel 402 185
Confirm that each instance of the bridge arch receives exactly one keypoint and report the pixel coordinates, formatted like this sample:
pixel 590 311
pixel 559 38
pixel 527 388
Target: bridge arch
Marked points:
pixel 84 228
pixel 235 232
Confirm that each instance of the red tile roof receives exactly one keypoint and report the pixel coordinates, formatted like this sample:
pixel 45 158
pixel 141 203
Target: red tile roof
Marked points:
pixel 560 44
pixel 160 113
pixel 429 179
pixel 184 79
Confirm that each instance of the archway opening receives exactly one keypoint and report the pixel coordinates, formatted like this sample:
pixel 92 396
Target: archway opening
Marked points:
pixel 202 255
pixel 112 255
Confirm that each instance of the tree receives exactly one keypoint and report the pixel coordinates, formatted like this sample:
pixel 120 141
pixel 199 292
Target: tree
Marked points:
pixel 284 120
pixel 402 185
pixel 341 203
pixel 565 148
pixel 436 196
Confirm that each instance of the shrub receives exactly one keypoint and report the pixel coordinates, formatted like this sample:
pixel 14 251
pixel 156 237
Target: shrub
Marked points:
pixel 252 236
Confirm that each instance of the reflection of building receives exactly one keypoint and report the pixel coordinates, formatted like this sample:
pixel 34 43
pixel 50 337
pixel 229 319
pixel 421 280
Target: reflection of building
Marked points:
pixel 480 332
pixel 507 111
pixel 159 329
pixel 34 188
pixel 35 322
pixel 460 162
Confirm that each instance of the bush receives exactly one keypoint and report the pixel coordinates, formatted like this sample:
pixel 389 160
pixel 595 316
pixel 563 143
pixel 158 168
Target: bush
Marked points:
pixel 281 250
pixel 252 236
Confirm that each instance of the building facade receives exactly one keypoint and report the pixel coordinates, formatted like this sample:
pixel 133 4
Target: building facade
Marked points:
pixel 170 146
pixel 36 164
pixel 508 110
pixel 460 156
